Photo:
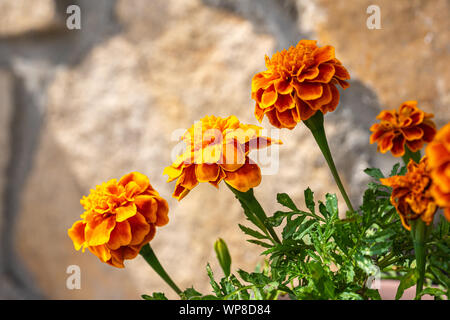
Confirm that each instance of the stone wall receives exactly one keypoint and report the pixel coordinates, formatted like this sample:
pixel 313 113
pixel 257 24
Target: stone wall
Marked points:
pixel 78 107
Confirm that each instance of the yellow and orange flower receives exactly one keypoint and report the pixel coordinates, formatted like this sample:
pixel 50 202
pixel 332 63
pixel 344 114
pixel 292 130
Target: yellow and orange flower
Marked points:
pixel 409 125
pixel 297 83
pixel 411 194
pixel 217 149
pixel 438 153
pixel 119 218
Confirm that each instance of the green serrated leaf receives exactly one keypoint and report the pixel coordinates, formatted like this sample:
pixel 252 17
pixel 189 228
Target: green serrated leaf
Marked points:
pixel 379 235
pixel 190 293
pixel 402 171
pixel 227 286
pixel 321 280
pixel 373 294
pixel 349 296
pixel 365 263
pixel 207 297
pixel 291 226
pixel 323 210
pixel 235 281
pixel 242 294
pixel 252 232
pixel 309 200
pixel 260 243
pixel 394 170
pixel 250 215
pixel 313 255
pixel 436 292
pixel 349 272
pixel 258 294
pixel 256 278
pixel 277 218
pixel 407 281
pixel 331 204
pixel 286 201
pixel 214 284
pixel 244 275
pixel 304 229
pixel 374 173
pixel 443 279
pixel 154 296
pixel 379 248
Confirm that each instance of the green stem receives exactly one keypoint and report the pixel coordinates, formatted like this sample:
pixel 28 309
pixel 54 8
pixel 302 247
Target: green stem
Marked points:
pixel 388 263
pixel 248 199
pixel 416 156
pixel 315 124
pixel 419 233
pixel 385 259
pixel 152 260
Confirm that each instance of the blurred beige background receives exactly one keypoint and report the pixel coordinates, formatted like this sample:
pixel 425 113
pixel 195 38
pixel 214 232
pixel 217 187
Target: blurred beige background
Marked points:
pixel 79 107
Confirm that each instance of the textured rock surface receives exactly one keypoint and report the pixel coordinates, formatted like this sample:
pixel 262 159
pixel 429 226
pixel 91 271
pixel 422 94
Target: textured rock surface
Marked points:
pixel 94 104
pixel 49 206
pixel 407 59
pixel 22 16
pixel 6 111
pixel 8 283
pixel 143 104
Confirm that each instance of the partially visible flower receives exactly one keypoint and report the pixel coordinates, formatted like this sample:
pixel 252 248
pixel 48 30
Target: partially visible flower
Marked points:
pixel 409 125
pixel 438 153
pixel 119 218
pixel 411 194
pixel 297 83
pixel 217 149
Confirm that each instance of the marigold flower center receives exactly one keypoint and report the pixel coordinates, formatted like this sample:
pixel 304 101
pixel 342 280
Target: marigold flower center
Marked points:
pixel 288 62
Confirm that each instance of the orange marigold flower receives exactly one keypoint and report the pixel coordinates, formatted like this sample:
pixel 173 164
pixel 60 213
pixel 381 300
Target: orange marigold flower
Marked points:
pixel 119 218
pixel 411 194
pixel 438 153
pixel 217 149
pixel 297 83
pixel 408 125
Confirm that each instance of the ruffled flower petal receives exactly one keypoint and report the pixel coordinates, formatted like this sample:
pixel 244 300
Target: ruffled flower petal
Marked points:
pixel 162 216
pixel 139 228
pixel 76 233
pixel 308 91
pixel 120 235
pixel 412 133
pixel 326 73
pixel 298 82
pixel 98 230
pixel 138 178
pixel 324 54
pixel 269 97
pixel 206 172
pixel 125 212
pixel 101 251
pixel 282 86
pixel 247 177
